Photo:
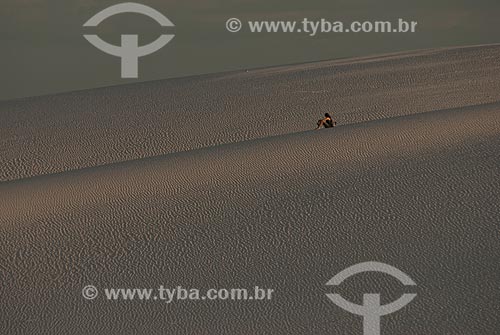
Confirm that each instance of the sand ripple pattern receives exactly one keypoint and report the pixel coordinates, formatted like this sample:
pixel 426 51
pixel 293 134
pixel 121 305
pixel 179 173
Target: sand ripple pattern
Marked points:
pixel 76 130
pixel 418 191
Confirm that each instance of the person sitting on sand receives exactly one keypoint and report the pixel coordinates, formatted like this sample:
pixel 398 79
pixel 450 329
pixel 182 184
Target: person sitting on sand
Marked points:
pixel 326 122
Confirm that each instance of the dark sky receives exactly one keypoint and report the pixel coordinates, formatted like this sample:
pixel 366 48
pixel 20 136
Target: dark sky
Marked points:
pixel 43 50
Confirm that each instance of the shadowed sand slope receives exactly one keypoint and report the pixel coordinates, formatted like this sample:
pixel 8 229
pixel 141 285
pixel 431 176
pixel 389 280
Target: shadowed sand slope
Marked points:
pixel 287 212
pixel 70 131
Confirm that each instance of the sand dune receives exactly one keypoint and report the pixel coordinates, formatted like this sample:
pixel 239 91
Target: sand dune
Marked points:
pixel 308 155
pixel 82 129
pixel 415 187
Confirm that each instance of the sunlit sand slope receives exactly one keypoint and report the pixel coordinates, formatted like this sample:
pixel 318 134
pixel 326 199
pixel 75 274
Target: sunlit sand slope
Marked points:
pixel 287 212
pixel 82 129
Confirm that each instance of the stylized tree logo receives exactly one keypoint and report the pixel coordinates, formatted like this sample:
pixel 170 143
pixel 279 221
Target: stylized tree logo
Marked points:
pixel 371 310
pixel 129 51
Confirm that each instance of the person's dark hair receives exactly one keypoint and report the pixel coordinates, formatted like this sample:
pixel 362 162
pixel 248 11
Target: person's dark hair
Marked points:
pixel 328 115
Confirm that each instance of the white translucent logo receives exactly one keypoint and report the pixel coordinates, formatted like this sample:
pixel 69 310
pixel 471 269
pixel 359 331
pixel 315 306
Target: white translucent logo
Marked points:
pixel 371 310
pixel 129 51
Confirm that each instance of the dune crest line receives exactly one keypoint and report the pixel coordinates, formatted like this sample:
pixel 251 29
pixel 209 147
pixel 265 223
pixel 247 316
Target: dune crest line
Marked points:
pixel 44 135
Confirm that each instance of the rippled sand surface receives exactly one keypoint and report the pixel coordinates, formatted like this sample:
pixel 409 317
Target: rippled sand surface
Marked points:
pixel 162 184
